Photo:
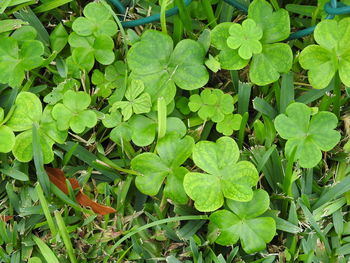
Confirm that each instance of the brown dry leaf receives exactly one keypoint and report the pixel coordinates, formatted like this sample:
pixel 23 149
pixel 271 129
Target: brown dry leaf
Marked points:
pixel 58 178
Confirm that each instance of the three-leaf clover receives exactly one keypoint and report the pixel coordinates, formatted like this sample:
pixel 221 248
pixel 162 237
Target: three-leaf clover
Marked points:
pixel 211 104
pixel 245 38
pixel 310 137
pixel 73 113
pixel 172 152
pixel 16 58
pixel 112 78
pixel 230 123
pixel 29 111
pixel 267 61
pixel 224 177
pixel 121 130
pixel 7 137
pixel 138 101
pixel 244 223
pixel 331 55
pixel 97 21
pixel 87 49
pixel 160 71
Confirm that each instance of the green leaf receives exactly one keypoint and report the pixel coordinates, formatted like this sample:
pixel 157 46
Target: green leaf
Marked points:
pixel 172 153
pixel 211 104
pixel 138 102
pixel 97 21
pixel 245 38
pixel 275 25
pixel 331 55
pixel 244 224
pixel 309 136
pixel 17 58
pixel 58 38
pixel 7 139
pixel 231 122
pixel 183 66
pixel 229 58
pixel 73 113
pixel 28 110
pixel 267 66
pixel 225 176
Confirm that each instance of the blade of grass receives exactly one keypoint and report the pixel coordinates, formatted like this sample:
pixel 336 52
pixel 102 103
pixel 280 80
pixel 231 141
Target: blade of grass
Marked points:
pixel 45 250
pixel 39 161
pixel 46 210
pixel 287 91
pixel 47 6
pixel 244 90
pixel 65 237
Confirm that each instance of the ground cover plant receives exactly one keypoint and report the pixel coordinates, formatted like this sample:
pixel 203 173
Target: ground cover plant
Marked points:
pixel 174 131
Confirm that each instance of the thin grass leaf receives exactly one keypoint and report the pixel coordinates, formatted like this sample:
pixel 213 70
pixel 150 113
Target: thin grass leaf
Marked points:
pixel 45 250
pixel 47 6
pixel 287 91
pixel 65 237
pixel 46 210
pixel 244 90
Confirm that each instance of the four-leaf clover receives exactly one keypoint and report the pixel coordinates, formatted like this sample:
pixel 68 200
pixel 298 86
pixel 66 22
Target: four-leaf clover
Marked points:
pixel 332 55
pixel 73 113
pixel 244 223
pixel 310 137
pixel 224 177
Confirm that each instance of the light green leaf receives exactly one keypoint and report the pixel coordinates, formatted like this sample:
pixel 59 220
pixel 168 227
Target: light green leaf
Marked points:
pixel 275 25
pixel 310 137
pixel 231 122
pixel 28 110
pixel 225 178
pixel 7 139
pixel 254 232
pixel 267 66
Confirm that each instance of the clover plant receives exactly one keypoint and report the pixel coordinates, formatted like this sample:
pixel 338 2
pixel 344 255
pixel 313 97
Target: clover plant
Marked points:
pixel 74 113
pixel 112 78
pixel 224 177
pixel 211 104
pixel 19 53
pixel 28 111
pixel 182 66
pixel 137 101
pixel 56 95
pixel 330 56
pixel 97 21
pixel 245 223
pixel 310 136
pixel 7 136
pixel 172 152
pixel 230 123
pixel 256 40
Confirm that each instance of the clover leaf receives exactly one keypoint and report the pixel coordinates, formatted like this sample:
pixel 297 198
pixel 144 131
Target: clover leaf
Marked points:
pixel 211 104
pixel 87 49
pixel 97 21
pixel 73 113
pixel 56 94
pixel 7 137
pixel 224 177
pixel 230 123
pixel 160 71
pixel 245 38
pixel 256 39
pixel 16 58
pixel 112 78
pixel 331 55
pixel 138 101
pixel 172 152
pixel 28 111
pixel 144 128
pixel 121 130
pixel 309 136
pixel 244 223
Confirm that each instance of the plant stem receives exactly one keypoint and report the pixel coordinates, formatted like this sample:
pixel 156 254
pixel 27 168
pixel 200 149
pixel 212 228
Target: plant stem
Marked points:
pixel 337 93
pixel 163 6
